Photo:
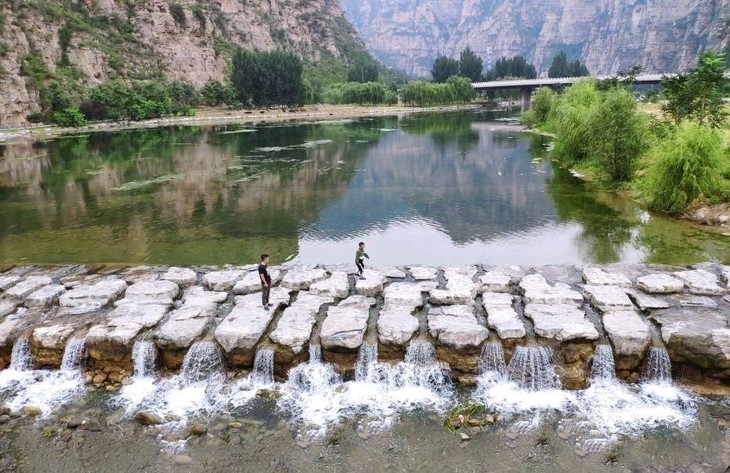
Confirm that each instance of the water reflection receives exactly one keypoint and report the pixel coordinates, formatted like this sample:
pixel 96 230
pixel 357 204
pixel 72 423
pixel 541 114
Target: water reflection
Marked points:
pixel 448 188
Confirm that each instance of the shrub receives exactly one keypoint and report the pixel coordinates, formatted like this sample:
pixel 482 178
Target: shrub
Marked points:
pixel 684 168
pixel 569 120
pixel 214 93
pixel 200 16
pixel 36 117
pixel 69 117
pixel 178 14
pixel 543 104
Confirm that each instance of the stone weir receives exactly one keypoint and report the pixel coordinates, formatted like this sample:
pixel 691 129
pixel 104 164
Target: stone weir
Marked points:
pixel 458 309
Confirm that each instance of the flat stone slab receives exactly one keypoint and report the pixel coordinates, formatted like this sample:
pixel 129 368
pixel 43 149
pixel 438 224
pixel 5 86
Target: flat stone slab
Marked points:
pixel 423 273
pixel 185 325
pixel 396 325
pixel 52 337
pixel 536 290
pixel 88 298
pixel 198 295
pixel 701 282
pixel 294 329
pixel 153 291
pixel 504 320
pixel 495 281
pixel 497 298
pixel 251 282
pixel 393 272
pixel 561 322
pixel 6 282
pixel 598 277
pixel 24 288
pixel 13 324
pixel 687 300
pixel 403 294
pixel 456 326
pixel 244 326
pixel 299 279
pixel 660 283
pixel 46 296
pixel 222 280
pixel 346 323
pixel 460 289
pixel 646 302
pixel 725 275
pixel 337 286
pixel 372 285
pixel 607 298
pixel 7 307
pixel 468 271
pixel 629 334
pixel 697 336
pixel 180 276
pixel 113 338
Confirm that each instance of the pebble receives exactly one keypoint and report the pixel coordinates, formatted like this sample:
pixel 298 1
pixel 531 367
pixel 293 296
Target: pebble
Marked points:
pixel 74 423
pixel 182 459
pixel 148 418
pixel 99 378
pixel 234 425
pixel 92 425
pixel 198 428
pixel 31 410
pixel 464 436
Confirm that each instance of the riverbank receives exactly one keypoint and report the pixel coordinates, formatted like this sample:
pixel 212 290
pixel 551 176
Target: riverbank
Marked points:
pixel 222 116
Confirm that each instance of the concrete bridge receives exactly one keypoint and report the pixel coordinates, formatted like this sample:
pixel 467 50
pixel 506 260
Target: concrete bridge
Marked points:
pixel 527 86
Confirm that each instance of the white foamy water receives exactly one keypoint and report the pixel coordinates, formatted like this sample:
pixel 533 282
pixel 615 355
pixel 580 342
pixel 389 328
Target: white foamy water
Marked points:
pixel 143 383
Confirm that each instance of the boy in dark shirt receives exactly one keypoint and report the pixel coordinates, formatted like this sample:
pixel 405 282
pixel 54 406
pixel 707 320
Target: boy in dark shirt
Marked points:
pixel 360 256
pixel 265 281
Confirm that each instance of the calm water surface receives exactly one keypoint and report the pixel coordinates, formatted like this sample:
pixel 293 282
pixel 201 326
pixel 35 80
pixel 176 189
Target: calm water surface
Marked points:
pixel 451 188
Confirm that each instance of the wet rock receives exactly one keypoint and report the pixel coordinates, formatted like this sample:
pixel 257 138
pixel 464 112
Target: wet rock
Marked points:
pixel 395 273
pixel 460 289
pixel 295 326
pixel 148 418
pixel 13 325
pixel 4 410
pixel 607 298
pixel 725 275
pixel 686 300
pixel 185 325
pixel 700 337
pixel 464 437
pixel 300 278
pixel 180 276
pixel 629 334
pixel 536 290
pixel 456 326
pixel 27 286
pixel 337 286
pixel 235 425
pixel 646 302
pixel 501 317
pixel 88 298
pixel 561 322
pixel 6 282
pixel 45 296
pixel 701 282
pixel 197 295
pixel 52 337
pixel 660 283
pixel 74 423
pixel 403 294
pixel 422 273
pixel 598 277
pixel 222 280
pixel 396 325
pixel 497 299
pixel 182 459
pixel 242 329
pixel 31 410
pixel 4 419
pixel 372 284
pixel 92 425
pixel 346 323
pixel 495 281
pixel 199 428
pixel 99 378
pixel 251 281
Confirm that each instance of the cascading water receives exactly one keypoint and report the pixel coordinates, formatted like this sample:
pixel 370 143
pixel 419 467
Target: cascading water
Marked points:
pixel 144 358
pixel 74 355
pixel 263 367
pixel 21 358
pixel 603 365
pixel 532 368
pixel 367 361
pixel 658 367
pixel 202 361
pixel 143 384
pixel 492 359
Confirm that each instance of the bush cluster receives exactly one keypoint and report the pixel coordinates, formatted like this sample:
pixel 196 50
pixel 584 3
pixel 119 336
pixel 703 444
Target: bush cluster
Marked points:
pixel 455 90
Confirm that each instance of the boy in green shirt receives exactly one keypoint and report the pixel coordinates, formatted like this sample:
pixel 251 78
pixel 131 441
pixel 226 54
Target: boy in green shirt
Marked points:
pixel 360 256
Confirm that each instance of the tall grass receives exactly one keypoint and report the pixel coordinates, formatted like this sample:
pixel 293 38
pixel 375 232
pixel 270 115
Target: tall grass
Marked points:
pixel 569 120
pixel 683 167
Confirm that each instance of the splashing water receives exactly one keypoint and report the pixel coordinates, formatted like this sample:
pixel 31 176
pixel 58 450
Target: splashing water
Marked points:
pixel 21 358
pixel 492 359
pixel 603 364
pixel 658 367
pixel 74 356
pixel 202 361
pixel 532 368
pixel 144 358
pixel 263 367
pixel 143 383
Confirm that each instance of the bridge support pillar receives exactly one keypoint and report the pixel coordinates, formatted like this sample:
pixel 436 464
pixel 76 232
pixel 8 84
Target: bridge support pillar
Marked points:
pixel 525 94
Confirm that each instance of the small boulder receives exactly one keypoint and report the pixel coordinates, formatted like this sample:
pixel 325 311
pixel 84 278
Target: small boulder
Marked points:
pixel 148 418
pixel 31 410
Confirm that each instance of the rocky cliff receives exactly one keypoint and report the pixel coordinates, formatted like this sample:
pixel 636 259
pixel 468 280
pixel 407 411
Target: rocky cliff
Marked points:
pixel 608 35
pixel 84 42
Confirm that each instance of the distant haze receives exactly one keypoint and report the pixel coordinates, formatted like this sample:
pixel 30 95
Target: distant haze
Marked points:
pixel 607 35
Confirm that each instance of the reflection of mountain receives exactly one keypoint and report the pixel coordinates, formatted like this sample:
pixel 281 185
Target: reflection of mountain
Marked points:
pixel 192 195
pixel 474 192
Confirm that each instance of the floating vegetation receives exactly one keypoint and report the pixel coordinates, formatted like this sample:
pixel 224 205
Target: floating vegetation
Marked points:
pixel 473 414
pixel 148 184
pixel 305 145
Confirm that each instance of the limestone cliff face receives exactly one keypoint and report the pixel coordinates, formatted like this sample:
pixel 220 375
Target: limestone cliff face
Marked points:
pixel 608 35
pixel 143 38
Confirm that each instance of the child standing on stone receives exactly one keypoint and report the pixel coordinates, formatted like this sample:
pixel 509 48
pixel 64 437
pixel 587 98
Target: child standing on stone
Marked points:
pixel 360 256
pixel 265 281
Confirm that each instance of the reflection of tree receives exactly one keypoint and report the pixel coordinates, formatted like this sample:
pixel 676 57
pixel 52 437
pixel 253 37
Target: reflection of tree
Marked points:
pixel 605 230
pixel 444 129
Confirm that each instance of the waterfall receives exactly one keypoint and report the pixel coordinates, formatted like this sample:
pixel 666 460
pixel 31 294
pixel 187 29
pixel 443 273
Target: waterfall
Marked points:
pixel 144 357
pixel 492 359
pixel 367 359
pixel 603 365
pixel 532 368
pixel 21 358
pixel 263 366
pixel 658 367
pixel 74 355
pixel 202 361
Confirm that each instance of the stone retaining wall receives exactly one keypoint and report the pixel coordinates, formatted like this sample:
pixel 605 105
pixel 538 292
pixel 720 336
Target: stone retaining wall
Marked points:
pixel 458 309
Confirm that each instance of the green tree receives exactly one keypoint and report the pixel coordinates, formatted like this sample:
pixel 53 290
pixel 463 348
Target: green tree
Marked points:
pixel 569 120
pixel 543 103
pixel 367 72
pixel 616 134
pixel 515 67
pixel 463 90
pixel 559 67
pixel 470 65
pixel 268 78
pixel 443 68
pixel 69 117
